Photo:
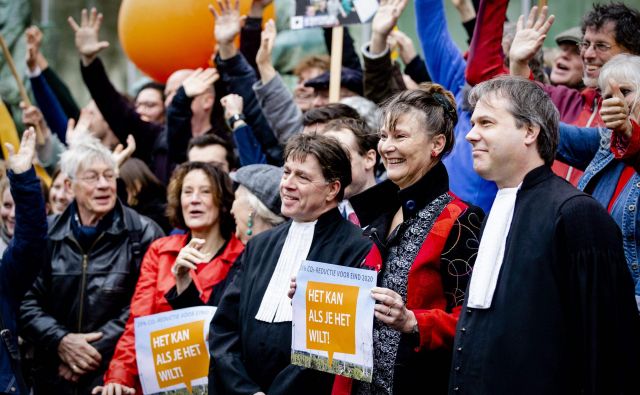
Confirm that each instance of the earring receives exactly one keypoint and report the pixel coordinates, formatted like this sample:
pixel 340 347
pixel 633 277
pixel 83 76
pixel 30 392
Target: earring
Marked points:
pixel 250 224
pixel 433 154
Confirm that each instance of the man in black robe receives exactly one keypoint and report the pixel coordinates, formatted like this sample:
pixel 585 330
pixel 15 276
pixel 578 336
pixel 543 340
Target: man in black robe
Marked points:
pixel 550 307
pixel 250 337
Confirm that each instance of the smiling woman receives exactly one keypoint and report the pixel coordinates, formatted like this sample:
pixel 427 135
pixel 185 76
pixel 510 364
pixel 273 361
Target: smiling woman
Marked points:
pixel 427 239
pixel 182 270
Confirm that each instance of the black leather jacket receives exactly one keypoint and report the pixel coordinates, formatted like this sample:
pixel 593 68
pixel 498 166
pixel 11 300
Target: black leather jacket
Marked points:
pixel 84 291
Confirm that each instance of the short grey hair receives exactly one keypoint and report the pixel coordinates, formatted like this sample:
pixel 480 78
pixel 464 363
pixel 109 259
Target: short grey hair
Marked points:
pixel 368 110
pixel 84 150
pixel 262 211
pixel 529 105
pixel 621 68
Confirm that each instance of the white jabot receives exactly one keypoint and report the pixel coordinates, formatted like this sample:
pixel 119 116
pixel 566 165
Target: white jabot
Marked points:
pixel 491 251
pixel 276 305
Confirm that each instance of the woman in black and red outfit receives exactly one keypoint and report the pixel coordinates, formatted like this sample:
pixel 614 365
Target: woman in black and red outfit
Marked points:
pixel 426 242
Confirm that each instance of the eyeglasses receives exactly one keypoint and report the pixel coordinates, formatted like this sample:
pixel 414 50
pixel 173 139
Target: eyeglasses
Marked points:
pixel 598 47
pixel 92 178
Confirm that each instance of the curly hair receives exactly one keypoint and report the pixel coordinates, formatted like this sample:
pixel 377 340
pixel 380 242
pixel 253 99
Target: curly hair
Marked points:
pixel 222 195
pixel 625 18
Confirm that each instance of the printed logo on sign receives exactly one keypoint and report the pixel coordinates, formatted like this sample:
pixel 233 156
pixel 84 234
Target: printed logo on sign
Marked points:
pixel 180 354
pixel 331 317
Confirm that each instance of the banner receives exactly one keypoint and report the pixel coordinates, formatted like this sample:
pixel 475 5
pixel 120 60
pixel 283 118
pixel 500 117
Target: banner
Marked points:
pixel 333 320
pixel 329 13
pixel 172 351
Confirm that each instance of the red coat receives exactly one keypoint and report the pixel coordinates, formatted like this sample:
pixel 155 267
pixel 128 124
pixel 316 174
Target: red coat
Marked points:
pixel 154 282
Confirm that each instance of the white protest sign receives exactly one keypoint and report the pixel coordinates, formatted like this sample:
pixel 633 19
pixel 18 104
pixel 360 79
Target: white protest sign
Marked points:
pixel 333 320
pixel 172 350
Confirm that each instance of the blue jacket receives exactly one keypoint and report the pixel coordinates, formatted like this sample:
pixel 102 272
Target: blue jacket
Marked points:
pixel 21 261
pixel 588 149
pixel 446 67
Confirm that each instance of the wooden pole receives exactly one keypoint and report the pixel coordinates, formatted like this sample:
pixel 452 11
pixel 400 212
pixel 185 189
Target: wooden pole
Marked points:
pixel 541 3
pixel 337 33
pixel 23 92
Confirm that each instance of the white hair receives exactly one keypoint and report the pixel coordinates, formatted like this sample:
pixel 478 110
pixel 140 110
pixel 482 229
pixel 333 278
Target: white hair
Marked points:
pixel 262 211
pixel 622 68
pixel 83 151
pixel 368 110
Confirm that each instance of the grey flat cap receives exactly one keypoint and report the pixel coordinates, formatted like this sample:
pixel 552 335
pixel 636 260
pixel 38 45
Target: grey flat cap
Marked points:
pixel 573 35
pixel 263 181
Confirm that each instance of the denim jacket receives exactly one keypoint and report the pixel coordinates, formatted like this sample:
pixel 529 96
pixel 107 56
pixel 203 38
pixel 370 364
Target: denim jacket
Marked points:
pixel 589 149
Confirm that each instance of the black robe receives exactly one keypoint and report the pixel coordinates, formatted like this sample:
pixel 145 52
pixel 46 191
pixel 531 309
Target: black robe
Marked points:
pixel 248 355
pixel 563 319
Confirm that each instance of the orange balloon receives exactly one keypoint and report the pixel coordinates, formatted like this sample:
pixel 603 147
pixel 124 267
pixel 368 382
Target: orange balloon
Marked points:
pixel 162 36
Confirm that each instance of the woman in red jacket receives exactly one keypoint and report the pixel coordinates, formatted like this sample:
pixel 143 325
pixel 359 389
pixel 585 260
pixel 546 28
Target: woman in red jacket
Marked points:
pixel 426 240
pixel 199 200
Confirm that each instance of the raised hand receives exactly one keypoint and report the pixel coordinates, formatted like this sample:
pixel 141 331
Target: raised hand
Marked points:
pixel 87 41
pixel 22 160
pixel 228 24
pixel 32 116
pixel 199 81
pixel 465 9
pixel 120 154
pixel 383 22
pixel 267 40
pixel 257 7
pixel 34 40
pixel 406 49
pixel 615 111
pixel 528 40
pixel 233 104
pixel 75 129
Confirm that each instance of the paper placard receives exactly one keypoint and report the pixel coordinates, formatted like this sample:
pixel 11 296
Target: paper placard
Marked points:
pixel 172 351
pixel 332 326
pixel 330 13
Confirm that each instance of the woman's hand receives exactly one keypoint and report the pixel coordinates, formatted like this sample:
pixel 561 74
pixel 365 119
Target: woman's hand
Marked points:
pixel 188 259
pixel 392 311
pixel 113 389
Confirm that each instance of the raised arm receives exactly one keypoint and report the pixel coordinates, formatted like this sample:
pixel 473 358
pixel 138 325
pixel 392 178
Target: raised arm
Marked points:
pixel 23 258
pixel 486 59
pixel 239 78
pixel 249 149
pixel 115 108
pixel 382 77
pixel 444 61
pixel 528 40
pixel 276 101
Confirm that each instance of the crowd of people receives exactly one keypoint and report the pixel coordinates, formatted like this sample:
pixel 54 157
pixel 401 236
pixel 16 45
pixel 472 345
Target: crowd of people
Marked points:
pixel 494 192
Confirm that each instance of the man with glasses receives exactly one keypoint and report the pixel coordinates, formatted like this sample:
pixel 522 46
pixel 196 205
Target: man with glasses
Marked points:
pixel 608 30
pixel 76 310
pixel 251 341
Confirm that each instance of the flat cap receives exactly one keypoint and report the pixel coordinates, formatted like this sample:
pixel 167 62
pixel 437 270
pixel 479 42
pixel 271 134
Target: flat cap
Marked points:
pixel 263 181
pixel 573 35
pixel 349 78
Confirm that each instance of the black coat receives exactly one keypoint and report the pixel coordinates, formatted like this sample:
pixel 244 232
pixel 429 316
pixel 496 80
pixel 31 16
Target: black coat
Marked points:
pixel 83 291
pixel 563 319
pixel 250 355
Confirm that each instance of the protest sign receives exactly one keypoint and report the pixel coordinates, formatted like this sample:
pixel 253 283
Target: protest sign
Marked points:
pixel 331 13
pixel 333 320
pixel 172 351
